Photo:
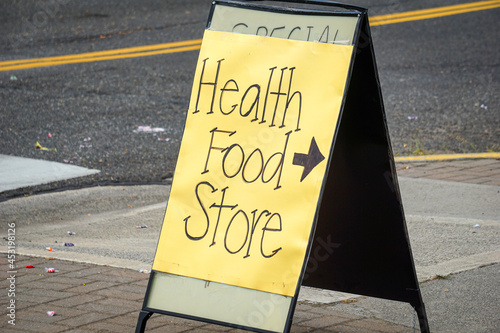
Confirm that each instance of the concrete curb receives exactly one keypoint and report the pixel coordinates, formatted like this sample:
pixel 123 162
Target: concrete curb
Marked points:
pixel 445 157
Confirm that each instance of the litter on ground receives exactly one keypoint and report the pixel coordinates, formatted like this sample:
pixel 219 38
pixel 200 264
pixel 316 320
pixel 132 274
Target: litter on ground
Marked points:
pixel 148 129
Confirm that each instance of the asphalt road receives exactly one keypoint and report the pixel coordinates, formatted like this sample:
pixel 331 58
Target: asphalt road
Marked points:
pixel 439 78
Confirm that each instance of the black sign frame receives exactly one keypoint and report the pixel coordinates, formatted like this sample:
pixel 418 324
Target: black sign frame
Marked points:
pixel 359 242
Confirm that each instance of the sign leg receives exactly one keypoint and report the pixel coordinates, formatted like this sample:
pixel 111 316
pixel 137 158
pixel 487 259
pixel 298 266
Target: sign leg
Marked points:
pixel 422 318
pixel 141 322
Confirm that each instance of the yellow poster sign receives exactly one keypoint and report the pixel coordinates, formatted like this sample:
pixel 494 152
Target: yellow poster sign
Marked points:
pixel 259 131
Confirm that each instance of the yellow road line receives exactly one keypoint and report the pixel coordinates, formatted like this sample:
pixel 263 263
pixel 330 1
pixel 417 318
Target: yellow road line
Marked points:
pixel 190 45
pixel 101 58
pixel 129 50
pixel 433 12
pixel 445 157
pixel 132 52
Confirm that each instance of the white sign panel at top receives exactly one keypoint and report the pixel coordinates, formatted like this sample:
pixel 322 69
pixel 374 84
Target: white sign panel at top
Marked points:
pixel 313 28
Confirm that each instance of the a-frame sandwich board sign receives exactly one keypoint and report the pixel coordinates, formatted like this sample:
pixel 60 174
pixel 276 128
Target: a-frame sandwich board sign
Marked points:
pixel 271 111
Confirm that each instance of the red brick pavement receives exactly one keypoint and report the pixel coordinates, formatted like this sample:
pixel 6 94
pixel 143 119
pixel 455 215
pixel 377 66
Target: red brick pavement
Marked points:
pixel 90 298
pixel 475 171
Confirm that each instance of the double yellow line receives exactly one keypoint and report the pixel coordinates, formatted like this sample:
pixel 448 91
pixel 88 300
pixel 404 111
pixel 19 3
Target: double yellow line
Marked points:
pixel 433 12
pixel 131 52
pixel 190 45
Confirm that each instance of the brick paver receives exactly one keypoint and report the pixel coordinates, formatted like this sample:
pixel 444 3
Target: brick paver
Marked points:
pixel 90 298
pixel 474 171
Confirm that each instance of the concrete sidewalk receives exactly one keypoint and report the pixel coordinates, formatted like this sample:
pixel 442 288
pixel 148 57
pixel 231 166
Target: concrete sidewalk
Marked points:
pixel 88 294
pixel 16 172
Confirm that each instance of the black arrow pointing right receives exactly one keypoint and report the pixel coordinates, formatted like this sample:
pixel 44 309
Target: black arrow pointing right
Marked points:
pixel 310 160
